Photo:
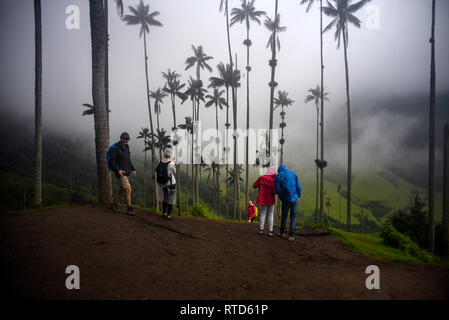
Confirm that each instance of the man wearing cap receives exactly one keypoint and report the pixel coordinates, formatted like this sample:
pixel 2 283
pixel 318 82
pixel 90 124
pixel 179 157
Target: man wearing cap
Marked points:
pixel 122 166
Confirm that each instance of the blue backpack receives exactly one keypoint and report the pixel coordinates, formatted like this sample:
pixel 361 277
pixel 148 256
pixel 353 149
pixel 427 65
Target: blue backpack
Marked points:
pixel 108 156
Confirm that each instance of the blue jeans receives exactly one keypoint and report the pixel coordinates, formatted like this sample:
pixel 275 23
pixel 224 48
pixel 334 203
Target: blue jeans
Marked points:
pixel 286 206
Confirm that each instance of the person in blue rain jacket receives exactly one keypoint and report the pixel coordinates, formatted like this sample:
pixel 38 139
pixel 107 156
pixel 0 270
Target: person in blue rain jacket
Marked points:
pixel 288 190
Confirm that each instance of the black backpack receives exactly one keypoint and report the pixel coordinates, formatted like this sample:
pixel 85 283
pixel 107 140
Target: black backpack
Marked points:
pixel 162 176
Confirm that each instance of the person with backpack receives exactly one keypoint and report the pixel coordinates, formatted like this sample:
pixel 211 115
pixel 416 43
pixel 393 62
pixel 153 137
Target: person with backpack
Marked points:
pixel 252 211
pixel 165 176
pixel 266 198
pixel 119 162
pixel 288 189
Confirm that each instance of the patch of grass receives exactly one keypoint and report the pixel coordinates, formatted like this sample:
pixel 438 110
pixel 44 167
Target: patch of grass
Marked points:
pixel 375 247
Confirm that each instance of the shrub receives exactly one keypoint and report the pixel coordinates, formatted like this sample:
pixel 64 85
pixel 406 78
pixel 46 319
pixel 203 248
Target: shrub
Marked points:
pixel 326 222
pixel 198 210
pixel 412 222
pixel 394 238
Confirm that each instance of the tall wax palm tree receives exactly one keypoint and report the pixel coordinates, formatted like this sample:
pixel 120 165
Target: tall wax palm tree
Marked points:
pixel 188 127
pixel 145 135
pixel 224 5
pixel 195 92
pixel 219 102
pixel 342 12
pixel 173 87
pixel 98 43
pixel 158 97
pixel 274 43
pixel 162 140
pixel 432 134
pixel 246 13
pixel 316 95
pixel 191 93
pixel 37 105
pixel 230 78
pixel 282 101
pixel 323 163
pixel 224 79
pixel 141 16
pixel 198 60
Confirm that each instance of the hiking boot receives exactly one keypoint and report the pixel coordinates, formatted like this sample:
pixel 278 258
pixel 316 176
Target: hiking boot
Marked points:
pixel 291 238
pixel 130 211
pixel 271 234
pixel 113 206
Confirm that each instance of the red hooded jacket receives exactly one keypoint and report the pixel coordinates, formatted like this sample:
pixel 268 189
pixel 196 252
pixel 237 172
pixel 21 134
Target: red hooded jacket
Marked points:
pixel 267 189
pixel 251 211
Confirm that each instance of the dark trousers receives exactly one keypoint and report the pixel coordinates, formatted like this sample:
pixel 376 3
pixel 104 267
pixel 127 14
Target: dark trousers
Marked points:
pixel 293 208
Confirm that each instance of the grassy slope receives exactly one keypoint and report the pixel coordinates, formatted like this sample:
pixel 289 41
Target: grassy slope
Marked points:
pixel 374 247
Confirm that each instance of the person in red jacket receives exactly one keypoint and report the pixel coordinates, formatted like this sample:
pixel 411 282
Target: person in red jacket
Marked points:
pixel 251 211
pixel 266 198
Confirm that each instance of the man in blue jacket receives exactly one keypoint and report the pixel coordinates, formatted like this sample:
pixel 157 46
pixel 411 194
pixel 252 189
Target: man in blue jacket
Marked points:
pixel 289 191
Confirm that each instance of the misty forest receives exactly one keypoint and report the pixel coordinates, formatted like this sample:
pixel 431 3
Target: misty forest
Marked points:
pixel 367 136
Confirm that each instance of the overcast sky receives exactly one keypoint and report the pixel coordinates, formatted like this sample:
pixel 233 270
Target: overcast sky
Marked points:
pixel 389 62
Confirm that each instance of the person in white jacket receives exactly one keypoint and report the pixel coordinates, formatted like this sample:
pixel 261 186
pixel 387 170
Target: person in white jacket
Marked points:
pixel 167 184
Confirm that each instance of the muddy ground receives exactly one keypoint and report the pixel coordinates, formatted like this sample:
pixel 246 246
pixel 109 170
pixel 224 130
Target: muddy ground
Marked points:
pixel 148 257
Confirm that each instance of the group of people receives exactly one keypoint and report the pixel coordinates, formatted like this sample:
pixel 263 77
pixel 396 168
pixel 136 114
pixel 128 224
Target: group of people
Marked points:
pixel 119 162
pixel 286 185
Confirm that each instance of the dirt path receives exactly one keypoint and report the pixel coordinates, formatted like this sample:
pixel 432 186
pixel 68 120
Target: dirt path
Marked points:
pixel 147 257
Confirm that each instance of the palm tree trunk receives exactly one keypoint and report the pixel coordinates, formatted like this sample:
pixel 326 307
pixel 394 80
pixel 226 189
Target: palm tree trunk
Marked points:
pixel 38 106
pixel 106 63
pixel 272 84
pixel 349 176
pixel 432 136
pixel 191 155
pixel 237 206
pixel 157 118
pixel 217 188
pixel 322 115
pixel 247 118
pixel 317 168
pixel 145 176
pixel 233 98
pixel 99 99
pixel 174 110
pixel 446 190
pixel 226 154
pixel 153 154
